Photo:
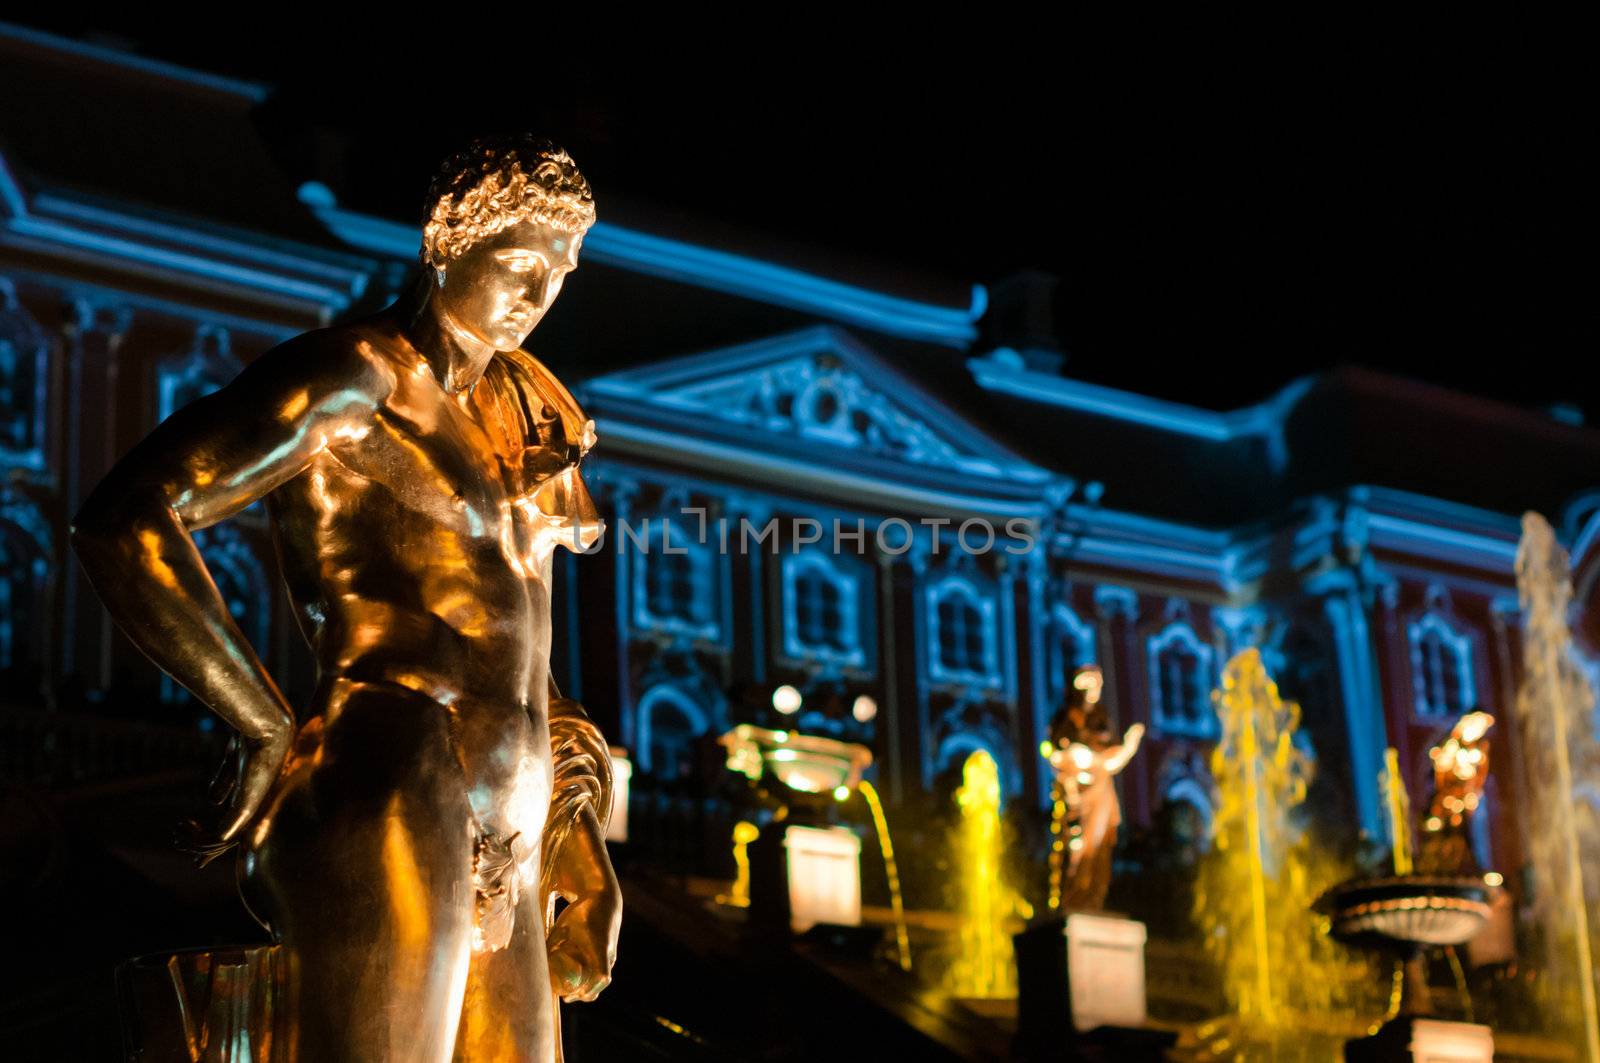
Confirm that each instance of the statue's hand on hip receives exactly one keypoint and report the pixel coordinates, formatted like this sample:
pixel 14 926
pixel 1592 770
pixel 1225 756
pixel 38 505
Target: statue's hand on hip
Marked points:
pixel 241 785
pixel 583 944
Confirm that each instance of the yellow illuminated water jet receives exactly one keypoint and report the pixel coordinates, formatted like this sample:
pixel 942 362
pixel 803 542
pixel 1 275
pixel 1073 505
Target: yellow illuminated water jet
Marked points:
pixel 1398 804
pixel 1554 708
pixel 985 966
pixel 902 939
pixel 1259 880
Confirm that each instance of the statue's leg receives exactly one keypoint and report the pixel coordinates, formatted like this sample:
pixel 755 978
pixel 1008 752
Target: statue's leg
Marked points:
pixel 365 874
pixel 509 1012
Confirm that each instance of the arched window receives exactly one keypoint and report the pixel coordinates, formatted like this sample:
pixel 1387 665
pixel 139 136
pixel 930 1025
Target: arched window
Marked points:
pixel 1186 808
pixel 1441 668
pixel 962 633
pixel 1180 682
pixel 206 367
pixel 674 580
pixel 955 748
pixel 1072 644
pixel 821 607
pixel 669 723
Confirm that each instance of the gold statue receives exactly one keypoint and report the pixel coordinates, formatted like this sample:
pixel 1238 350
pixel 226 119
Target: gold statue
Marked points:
pixel 1460 772
pixel 406 835
pixel 1086 758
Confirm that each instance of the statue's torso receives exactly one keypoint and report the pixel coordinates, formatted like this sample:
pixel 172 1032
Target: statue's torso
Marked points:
pixel 409 565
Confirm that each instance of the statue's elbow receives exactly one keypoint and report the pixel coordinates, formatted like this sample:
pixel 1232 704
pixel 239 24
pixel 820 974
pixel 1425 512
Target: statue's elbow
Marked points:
pixel 106 518
pixel 89 530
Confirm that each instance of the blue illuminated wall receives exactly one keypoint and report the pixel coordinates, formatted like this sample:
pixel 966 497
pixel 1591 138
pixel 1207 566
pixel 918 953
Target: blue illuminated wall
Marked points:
pixel 1385 612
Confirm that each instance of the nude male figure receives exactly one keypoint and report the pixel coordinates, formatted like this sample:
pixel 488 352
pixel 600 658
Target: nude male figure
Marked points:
pixel 405 834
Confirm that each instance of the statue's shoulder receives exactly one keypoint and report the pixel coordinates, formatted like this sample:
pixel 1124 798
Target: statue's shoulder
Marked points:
pixel 534 404
pixel 356 359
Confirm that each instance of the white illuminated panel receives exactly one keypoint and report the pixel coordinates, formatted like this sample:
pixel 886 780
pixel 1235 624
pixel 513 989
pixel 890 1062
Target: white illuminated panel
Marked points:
pixel 824 876
pixel 1105 968
pixel 621 772
pixel 1433 1041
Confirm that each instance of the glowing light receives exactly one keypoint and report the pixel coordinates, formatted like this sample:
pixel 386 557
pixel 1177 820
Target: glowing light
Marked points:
pixel 1045 749
pixel 841 793
pixel 864 709
pixel 621 773
pixel 1494 878
pixel 786 699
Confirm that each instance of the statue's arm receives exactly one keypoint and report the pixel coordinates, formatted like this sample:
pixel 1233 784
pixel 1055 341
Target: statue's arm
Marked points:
pixel 1116 759
pixel 203 464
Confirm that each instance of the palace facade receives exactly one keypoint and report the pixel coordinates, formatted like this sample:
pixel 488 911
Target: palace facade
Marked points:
pixel 887 495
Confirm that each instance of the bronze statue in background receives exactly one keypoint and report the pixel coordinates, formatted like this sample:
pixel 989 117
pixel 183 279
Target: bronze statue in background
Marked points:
pixel 406 834
pixel 1460 772
pixel 1086 757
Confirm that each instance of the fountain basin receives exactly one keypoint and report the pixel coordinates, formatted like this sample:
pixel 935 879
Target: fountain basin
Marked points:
pixel 1413 910
pixel 811 764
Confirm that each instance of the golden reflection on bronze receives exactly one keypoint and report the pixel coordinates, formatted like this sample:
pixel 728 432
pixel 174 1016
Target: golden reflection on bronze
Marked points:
pixel 406 835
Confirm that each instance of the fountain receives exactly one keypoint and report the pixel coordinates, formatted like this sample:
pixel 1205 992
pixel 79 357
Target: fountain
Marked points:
pixel 1555 708
pixel 984 967
pixel 1444 904
pixel 1289 992
pixel 1405 915
pixel 902 938
pixel 811 765
pixel 1253 881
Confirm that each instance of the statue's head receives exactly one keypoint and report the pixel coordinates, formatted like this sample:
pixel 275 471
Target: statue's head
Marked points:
pixel 502 226
pixel 1087 682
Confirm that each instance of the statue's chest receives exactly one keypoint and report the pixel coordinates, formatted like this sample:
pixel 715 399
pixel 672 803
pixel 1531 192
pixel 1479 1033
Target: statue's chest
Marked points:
pixel 434 462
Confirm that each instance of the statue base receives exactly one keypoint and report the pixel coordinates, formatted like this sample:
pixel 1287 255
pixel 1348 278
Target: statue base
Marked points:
pixel 1413 1040
pixel 1080 978
pixel 216 1005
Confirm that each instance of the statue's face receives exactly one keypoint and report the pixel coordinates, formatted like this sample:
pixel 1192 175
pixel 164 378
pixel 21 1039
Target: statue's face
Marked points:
pixel 500 288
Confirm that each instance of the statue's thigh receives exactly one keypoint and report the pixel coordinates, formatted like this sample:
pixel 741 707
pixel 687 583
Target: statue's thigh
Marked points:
pixel 509 1011
pixel 366 876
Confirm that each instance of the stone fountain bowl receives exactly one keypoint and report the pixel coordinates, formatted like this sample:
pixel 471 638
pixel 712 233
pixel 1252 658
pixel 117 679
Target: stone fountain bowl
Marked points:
pixel 810 764
pixel 1414 910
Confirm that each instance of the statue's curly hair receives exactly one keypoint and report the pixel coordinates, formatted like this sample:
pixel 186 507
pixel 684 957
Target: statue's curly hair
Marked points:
pixel 498 182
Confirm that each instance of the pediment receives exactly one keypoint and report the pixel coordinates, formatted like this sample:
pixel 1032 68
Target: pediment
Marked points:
pixel 818 389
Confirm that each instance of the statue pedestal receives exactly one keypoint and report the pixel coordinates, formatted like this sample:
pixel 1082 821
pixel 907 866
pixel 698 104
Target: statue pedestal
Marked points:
pixel 1412 1040
pixel 224 1005
pixel 1075 975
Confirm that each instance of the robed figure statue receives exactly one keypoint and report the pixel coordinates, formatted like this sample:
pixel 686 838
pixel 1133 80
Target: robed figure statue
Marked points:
pixel 407 833
pixel 1086 756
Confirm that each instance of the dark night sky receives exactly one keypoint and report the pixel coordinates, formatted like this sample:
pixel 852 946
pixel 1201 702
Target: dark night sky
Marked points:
pixel 1222 223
